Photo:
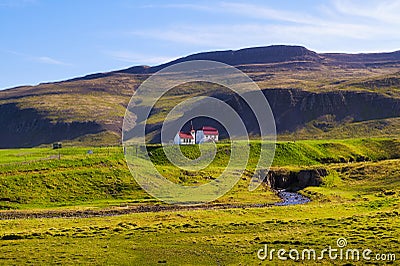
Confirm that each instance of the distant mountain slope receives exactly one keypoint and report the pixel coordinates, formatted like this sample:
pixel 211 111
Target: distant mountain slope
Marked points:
pixel 301 85
pixel 365 60
pixel 294 108
pixel 256 55
pixel 269 55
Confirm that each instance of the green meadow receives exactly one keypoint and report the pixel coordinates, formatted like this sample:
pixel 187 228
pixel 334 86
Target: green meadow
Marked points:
pixel 359 200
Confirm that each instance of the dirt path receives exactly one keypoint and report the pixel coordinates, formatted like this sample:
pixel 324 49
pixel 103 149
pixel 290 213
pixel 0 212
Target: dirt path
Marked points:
pixel 289 198
pixel 9 215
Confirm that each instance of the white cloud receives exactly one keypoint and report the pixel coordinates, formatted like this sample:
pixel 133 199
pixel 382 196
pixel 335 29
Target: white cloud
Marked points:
pixel 242 35
pixel 193 35
pixel 380 11
pixel 321 26
pixel 48 60
pixel 242 9
pixel 40 59
pixel 267 13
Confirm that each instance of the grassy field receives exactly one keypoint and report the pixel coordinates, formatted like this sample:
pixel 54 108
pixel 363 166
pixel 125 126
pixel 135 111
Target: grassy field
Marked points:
pixel 359 201
pixel 205 237
pixel 39 178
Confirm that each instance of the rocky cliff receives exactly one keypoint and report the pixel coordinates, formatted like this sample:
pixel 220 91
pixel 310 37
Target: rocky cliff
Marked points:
pixel 294 180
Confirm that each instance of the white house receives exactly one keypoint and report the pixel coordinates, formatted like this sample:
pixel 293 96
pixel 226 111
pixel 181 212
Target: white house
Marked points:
pixel 183 138
pixel 205 134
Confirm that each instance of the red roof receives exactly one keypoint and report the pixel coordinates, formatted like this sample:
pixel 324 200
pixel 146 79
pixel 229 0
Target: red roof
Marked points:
pixel 183 135
pixel 210 131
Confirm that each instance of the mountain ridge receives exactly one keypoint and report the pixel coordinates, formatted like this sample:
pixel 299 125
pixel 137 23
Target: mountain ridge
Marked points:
pixel 91 108
pixel 288 53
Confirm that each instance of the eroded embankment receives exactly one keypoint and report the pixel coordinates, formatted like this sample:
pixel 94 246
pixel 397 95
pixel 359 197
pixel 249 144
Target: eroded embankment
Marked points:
pixel 286 183
pixel 295 180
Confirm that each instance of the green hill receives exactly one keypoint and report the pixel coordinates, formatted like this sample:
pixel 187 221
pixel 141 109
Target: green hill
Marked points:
pixel 42 177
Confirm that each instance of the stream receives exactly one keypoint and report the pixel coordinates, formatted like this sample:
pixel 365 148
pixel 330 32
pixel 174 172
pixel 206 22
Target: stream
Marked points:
pixel 288 198
pixel 291 198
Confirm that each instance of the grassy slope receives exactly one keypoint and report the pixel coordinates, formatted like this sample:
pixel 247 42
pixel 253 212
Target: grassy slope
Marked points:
pixel 334 130
pixel 101 99
pixel 102 178
pixel 206 237
pixel 77 177
pixel 359 201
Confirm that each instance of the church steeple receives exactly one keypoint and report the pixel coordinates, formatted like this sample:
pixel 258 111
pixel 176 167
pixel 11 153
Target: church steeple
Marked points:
pixel 191 126
pixel 193 132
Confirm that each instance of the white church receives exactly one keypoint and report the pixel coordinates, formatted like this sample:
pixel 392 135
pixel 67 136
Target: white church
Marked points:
pixel 205 134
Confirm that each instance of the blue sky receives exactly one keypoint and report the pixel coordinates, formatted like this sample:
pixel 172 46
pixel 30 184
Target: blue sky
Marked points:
pixel 54 40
